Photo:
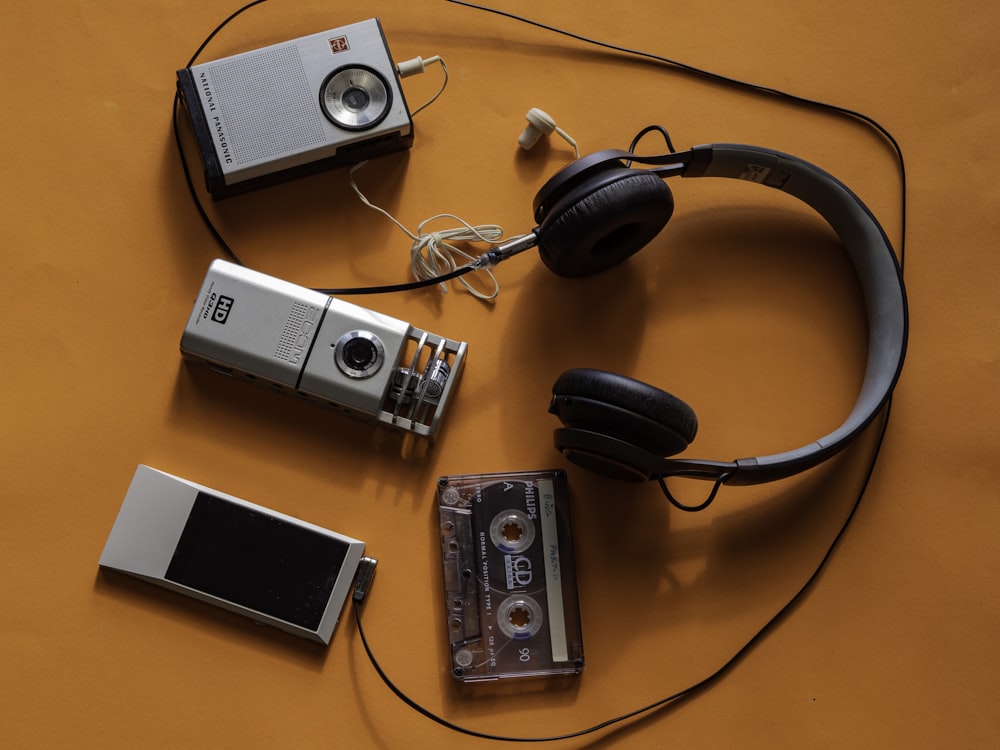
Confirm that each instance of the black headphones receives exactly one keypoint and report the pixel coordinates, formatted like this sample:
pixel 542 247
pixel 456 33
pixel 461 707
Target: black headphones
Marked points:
pixel 599 210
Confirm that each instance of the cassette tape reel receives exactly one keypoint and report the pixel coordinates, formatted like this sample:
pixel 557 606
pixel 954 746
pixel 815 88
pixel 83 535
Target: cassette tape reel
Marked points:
pixel 509 578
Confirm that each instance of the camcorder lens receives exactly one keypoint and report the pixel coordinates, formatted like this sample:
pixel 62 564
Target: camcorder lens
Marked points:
pixel 359 354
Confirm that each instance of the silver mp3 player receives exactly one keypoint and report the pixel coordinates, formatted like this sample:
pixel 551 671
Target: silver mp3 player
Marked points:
pixel 299 106
pixel 258 328
pixel 242 557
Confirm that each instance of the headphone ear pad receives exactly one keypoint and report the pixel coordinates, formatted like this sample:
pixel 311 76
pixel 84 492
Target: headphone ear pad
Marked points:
pixel 627 410
pixel 607 218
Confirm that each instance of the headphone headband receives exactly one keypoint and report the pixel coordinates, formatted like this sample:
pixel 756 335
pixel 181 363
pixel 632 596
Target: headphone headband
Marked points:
pixel 871 254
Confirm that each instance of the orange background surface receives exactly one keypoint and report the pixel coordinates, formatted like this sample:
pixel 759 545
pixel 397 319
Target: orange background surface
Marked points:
pixel 745 306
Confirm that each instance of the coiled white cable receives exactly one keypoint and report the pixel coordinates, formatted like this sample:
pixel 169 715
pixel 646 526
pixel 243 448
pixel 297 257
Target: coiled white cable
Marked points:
pixel 432 253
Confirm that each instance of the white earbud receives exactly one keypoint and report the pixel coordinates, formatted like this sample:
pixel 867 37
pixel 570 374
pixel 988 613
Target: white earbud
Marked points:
pixel 539 124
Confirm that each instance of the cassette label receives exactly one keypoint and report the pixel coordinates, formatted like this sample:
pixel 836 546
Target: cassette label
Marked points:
pixel 510 586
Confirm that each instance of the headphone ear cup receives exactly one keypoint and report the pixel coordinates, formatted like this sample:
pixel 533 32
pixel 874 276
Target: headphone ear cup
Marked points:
pixel 604 220
pixel 636 419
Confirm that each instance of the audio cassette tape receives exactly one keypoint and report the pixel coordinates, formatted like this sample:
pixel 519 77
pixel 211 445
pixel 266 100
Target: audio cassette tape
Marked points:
pixel 509 579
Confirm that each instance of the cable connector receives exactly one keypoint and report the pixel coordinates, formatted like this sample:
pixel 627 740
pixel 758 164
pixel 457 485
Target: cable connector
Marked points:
pixel 508 249
pixel 364 577
pixel 418 65
pixel 415 66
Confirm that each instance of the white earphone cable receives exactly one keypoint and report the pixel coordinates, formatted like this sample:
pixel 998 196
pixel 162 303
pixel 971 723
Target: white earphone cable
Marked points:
pixel 432 254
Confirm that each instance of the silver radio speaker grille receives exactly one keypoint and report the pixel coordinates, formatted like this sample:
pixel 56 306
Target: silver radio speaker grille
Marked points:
pixel 267 105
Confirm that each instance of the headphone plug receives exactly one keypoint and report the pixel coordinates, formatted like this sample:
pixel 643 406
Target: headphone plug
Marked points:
pixel 508 249
pixel 364 577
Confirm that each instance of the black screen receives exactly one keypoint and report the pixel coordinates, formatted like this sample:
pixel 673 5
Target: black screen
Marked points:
pixel 258 561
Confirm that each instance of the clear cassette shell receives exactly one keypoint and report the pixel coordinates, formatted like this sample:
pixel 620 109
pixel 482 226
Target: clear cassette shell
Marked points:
pixel 509 575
